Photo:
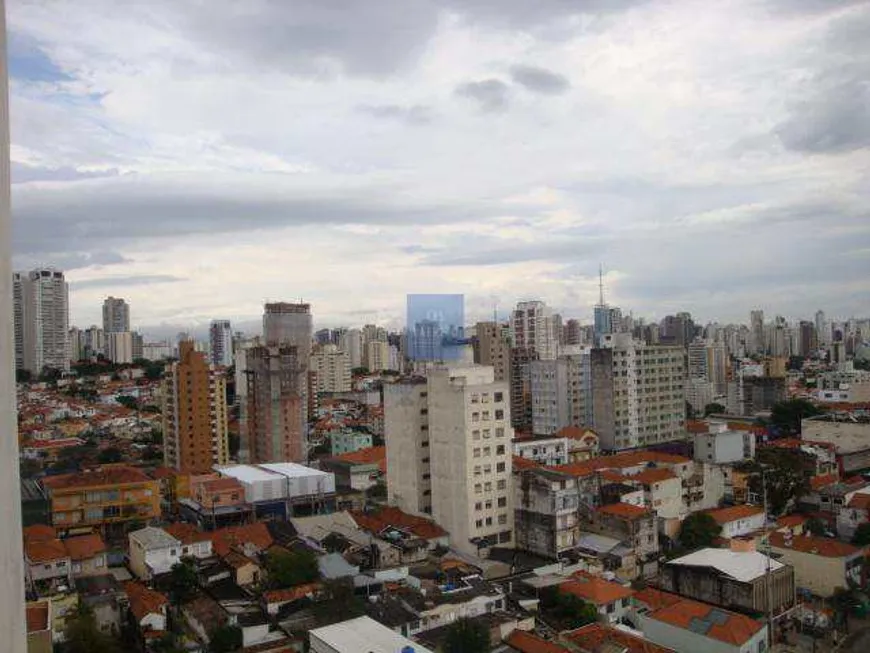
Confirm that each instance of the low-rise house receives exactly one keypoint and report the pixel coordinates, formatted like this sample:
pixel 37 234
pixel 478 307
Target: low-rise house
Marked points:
pixel 148 609
pixel 87 554
pixel 194 543
pixel 583 443
pixel 47 565
pixel 204 616
pixel 347 636
pixel 829 493
pixel 245 572
pixel 545 451
pixel 821 565
pixel 720 446
pixel 347 440
pixel 106 598
pixel 249 539
pixel 545 510
pixel 611 599
pixel 358 470
pixel 852 515
pixel 274 600
pixel 636 529
pixel 686 625
pixel 740 520
pixel 38 615
pixel 735 579
pixel 152 552
pixel 601 637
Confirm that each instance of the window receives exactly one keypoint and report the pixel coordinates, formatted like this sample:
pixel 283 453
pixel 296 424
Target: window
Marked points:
pixel 475 417
pixel 487 469
pixel 478 488
pixel 610 608
pixel 477 470
pixel 499 432
pixel 487 487
pixel 475 435
pixel 487 451
pixel 499 414
pixel 478 506
pixel 489 505
pixel 424 411
pixel 502 520
pixel 498 397
pixel 476 452
pixel 502 484
pixel 499 450
pixel 500 467
pixel 425 443
pixel 479 523
pixel 502 502
pixel 489 521
pixel 486 416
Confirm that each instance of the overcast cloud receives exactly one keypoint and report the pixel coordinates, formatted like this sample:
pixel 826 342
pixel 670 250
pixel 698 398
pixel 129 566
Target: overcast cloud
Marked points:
pixel 200 158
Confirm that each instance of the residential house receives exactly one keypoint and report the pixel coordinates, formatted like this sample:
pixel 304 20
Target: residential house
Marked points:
pixel 107 496
pixel 601 637
pixel 392 524
pixel 611 599
pixel 148 608
pixel 732 578
pixel 544 451
pixel 740 520
pixel 636 529
pixel 87 554
pixel 358 470
pixel 47 565
pixel 245 572
pixel 821 565
pixel 39 637
pixel 204 616
pixel 829 493
pixel 851 515
pixel 583 443
pixel 274 600
pixel 546 506
pixel 105 596
pixel 152 552
pixel 194 542
pixel 683 624
pixel 249 539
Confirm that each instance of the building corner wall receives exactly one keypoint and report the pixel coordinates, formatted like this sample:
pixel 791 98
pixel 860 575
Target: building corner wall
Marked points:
pixel 12 618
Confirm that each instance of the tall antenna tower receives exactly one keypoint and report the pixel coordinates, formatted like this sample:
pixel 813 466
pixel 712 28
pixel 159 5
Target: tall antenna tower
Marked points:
pixel 600 284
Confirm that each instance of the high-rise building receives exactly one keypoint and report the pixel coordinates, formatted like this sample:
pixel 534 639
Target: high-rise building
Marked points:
pixel 220 343
pixel 331 367
pixel 120 347
pixel 116 315
pixel 289 324
pixel 823 329
pixel 561 393
pixel 41 317
pixel 638 393
pixel 808 341
pixel 708 361
pixel 377 356
pixel 521 387
pixel 76 343
pixel 94 342
pixel 12 614
pixel 351 341
pixel 275 392
pixel 492 346
pixel 574 333
pixel 194 413
pixel 756 331
pixel 450 436
pixel 533 327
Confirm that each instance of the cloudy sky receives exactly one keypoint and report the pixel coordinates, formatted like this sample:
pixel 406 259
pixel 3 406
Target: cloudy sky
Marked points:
pixel 199 157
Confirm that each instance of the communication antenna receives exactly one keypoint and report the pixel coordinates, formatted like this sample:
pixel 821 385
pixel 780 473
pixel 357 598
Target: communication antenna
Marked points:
pixel 600 284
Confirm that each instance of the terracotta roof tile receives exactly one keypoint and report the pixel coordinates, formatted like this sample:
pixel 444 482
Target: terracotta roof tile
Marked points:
pixel 733 513
pixel 821 546
pixel 658 475
pixel 387 516
pixel 790 521
pixel 716 623
pixel 597 637
pixel 594 589
pixel 520 463
pixel 225 539
pixel 144 601
pixel 222 485
pixel 186 533
pixel 291 593
pixel 45 551
pixel 859 502
pixel 37 617
pixel 624 510
pixel 367 456
pixel 823 480
pixel 84 547
pixel 655 599
pixel 39 533
pixel 107 475
pixel 527 643
pixel 620 461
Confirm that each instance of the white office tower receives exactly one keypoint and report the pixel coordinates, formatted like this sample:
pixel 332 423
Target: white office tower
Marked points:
pixel 13 624
pixel 220 343
pixel 561 393
pixel 41 317
pixel 448 445
pixel 708 361
pixel 120 345
pixel 533 327
pixel 351 341
pixel 116 315
pixel 638 396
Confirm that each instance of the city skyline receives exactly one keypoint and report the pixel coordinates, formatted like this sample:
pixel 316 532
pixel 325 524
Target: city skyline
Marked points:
pixel 444 147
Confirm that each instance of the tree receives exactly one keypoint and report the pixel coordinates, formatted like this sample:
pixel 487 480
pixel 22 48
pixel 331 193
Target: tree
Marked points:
pixel 787 475
pixel 128 401
pixel 467 636
pixel 183 582
pixel 287 569
pixel 110 455
pixel 225 639
pixel 862 535
pixel 23 376
pixel 815 526
pixel 337 602
pixel 714 409
pixel 84 636
pixel 568 611
pixel 698 530
pixel 786 416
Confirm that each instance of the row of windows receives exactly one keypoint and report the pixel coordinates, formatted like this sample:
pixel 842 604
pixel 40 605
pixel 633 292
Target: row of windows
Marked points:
pixel 502 520
pixel 487 505
pixel 487 469
pixel 487 451
pixel 487 487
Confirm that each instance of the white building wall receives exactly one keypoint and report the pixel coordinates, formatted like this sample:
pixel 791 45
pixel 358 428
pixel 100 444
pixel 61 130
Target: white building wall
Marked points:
pixel 406 434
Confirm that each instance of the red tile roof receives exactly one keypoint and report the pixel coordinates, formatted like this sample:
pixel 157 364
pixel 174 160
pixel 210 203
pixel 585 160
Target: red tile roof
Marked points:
pixel 368 456
pixel 520 463
pixel 186 533
pixel 624 510
pixel 60 443
pixel 291 593
pixel 823 480
pixel 225 539
pixel 222 485
pixel 655 599
pixel 729 627
pixel 790 521
pixel 595 589
pixel 620 461
pixel 694 426
pixel 84 547
pixel 733 513
pixel 39 533
pixel 859 502
pixel 375 522
pixel 597 637
pixel 575 432
pixel 527 643
pixel 144 601
pixel 649 476
pixel 37 617
pixel 821 546
pixel 107 475
pixel 44 551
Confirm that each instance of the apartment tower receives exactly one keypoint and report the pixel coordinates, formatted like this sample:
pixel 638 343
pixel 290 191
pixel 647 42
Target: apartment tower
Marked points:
pixel 194 413
pixel 492 346
pixel 116 315
pixel 41 317
pixel 331 367
pixel 220 343
pixel 12 617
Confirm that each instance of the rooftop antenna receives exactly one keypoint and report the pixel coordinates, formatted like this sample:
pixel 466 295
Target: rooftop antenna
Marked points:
pixel 600 284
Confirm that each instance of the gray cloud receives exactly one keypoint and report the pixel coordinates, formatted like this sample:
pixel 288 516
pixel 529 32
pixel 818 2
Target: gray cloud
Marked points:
pixel 125 281
pixel 413 115
pixel 539 80
pixel 489 94
pixel 23 173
